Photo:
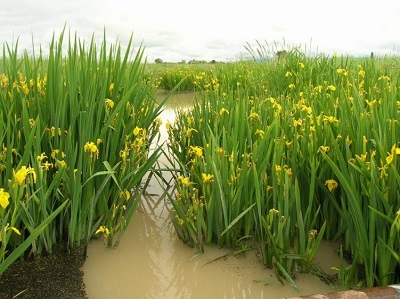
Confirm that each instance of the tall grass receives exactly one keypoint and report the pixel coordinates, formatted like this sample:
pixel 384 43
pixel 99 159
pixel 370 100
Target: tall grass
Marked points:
pixel 190 78
pixel 290 152
pixel 75 131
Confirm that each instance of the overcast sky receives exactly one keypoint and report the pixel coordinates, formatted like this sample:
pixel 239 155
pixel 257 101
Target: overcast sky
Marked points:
pixel 176 30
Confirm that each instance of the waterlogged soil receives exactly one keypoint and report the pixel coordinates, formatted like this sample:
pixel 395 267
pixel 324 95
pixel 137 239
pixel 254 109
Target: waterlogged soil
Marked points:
pixel 58 275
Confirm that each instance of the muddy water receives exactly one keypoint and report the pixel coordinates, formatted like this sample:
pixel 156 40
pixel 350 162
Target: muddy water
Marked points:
pixel 151 262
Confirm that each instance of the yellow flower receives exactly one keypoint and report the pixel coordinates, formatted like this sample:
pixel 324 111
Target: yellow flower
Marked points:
pixel 4 196
pixel 343 72
pixel 223 111
pixel 25 88
pixel 185 181
pixel 109 103
pixel 306 109
pixel 126 194
pixel 323 148
pixel 297 122
pixel 196 150
pixel 288 143
pixel 331 87
pixel 189 120
pixel 54 153
pixel 254 116
pixel 291 86
pixel 157 122
pixel 207 177
pixel 189 132
pixel 371 103
pixel 41 157
pixel 395 151
pixel 288 74
pixel 312 234
pixel 362 157
pixel 168 126
pixel 288 171
pixel 21 175
pixel 260 133
pixel 332 185
pixel 138 143
pixel 301 65
pixel 318 88
pixel 53 131
pixel 123 154
pixel 15 230
pixel 61 163
pixel 220 150
pixel 278 168
pixel 90 147
pixel 384 78
pixel 104 230
pixel 4 81
pixel 231 157
pixel 330 119
pixel 46 165
pixel 136 131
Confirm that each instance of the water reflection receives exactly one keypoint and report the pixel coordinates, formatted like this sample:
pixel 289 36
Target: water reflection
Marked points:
pixel 151 262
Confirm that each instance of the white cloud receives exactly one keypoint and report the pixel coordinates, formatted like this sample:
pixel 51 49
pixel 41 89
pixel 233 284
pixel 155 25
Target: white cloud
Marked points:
pixel 211 29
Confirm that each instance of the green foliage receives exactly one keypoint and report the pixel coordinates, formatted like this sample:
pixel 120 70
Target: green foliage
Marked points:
pixel 290 151
pixel 76 130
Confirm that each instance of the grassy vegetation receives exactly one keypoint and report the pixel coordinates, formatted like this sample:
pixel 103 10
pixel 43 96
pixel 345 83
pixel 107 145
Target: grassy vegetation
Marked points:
pixel 277 155
pixel 75 132
pixel 289 152
pixel 189 77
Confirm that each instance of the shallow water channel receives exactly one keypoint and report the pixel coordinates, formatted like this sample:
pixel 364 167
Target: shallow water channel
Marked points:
pixel 151 262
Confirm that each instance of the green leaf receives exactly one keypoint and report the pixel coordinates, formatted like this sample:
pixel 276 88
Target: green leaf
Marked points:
pixel 35 234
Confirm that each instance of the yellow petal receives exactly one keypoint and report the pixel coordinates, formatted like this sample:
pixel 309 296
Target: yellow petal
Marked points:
pixel 15 230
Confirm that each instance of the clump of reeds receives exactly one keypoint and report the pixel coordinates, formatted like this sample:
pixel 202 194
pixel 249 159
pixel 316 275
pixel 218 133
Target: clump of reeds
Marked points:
pixel 75 132
pixel 289 152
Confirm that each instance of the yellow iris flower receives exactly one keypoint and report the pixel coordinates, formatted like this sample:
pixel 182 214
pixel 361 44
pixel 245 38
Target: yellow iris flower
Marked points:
pixel 15 230
pixel 21 175
pixel 90 147
pixel 196 150
pixel 206 177
pixel 395 151
pixel 4 196
pixel 331 184
pixel 185 181
pixel 104 230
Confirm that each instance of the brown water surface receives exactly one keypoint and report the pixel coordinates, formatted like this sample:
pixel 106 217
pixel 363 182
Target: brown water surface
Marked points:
pixel 151 262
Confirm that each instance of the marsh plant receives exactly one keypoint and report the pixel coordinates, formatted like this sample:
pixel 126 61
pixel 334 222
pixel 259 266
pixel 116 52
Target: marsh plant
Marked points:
pixel 75 133
pixel 291 152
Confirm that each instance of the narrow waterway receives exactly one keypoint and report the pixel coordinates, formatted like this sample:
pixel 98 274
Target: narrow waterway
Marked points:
pixel 151 262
